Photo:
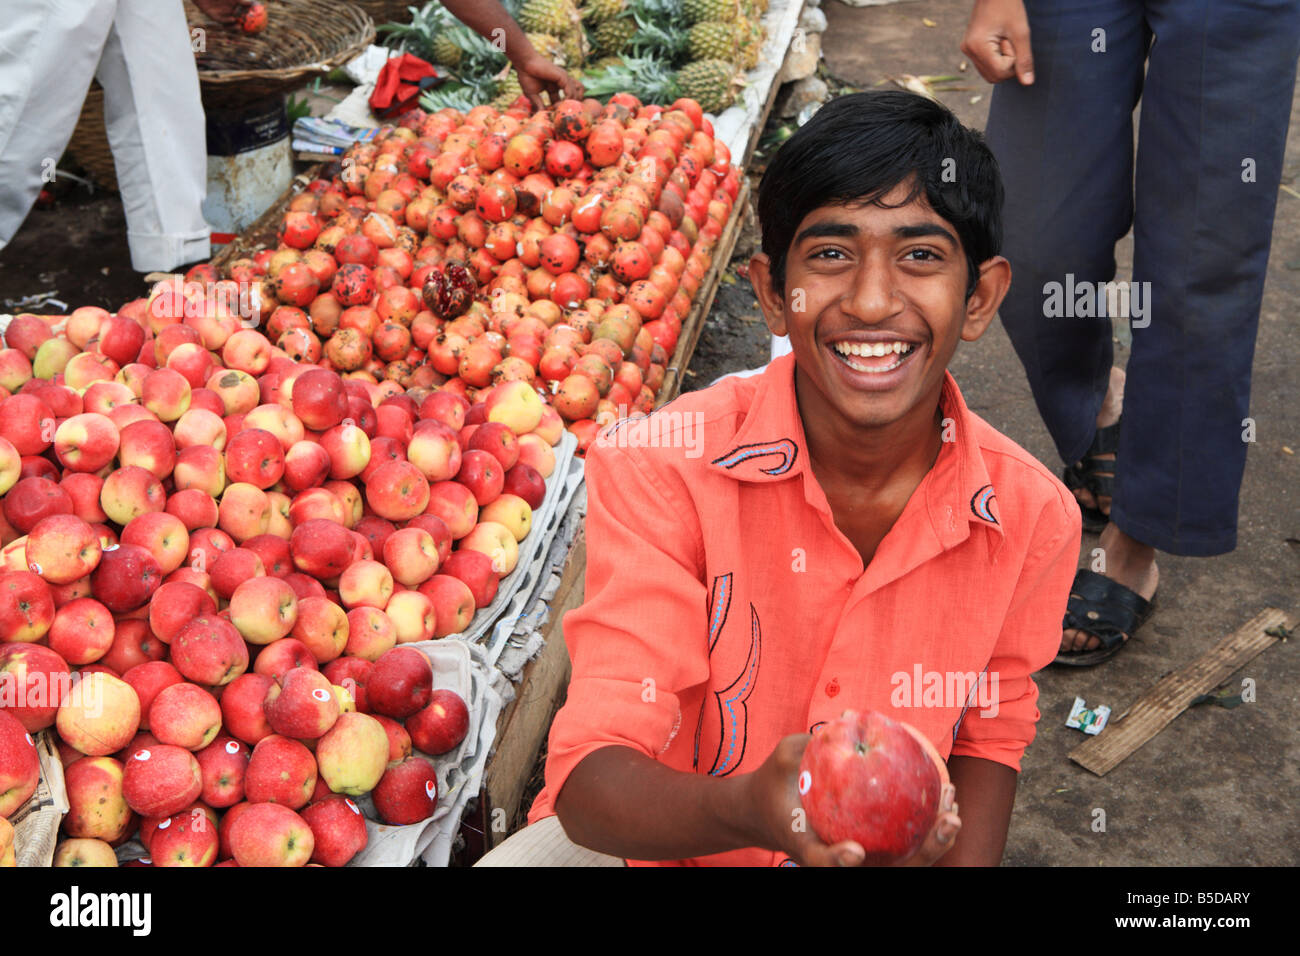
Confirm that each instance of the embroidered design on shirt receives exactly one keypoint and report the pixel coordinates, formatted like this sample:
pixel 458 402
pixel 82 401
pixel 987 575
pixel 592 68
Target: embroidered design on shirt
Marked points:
pixel 981 504
pixel 732 709
pixel 719 607
pixel 787 449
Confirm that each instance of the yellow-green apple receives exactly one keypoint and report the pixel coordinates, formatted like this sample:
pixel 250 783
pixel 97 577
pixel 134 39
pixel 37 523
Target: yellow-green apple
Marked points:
pixel 34 498
pixel 441 725
pixel 353 754
pixel 338 830
pixel 87 368
pixel 399 741
pixel 348 448
pixel 316 503
pixel 256 457
pixel 411 555
pixel 196 509
pixel 302 705
pixel 401 682
pixel 453 603
pixel 434 450
pixel 366 584
pixel 476 570
pixel 160 780
pixel 99 714
pixel 20 768
pixel 497 542
pixel 130 492
pixel 247 351
pixel 133 643
pixel 84 852
pixel 6 844
pixel 370 633
pixel 189 838
pixel 201 468
pixel 84 489
pixel 96 807
pixel 223 764
pixel 120 339
pixel 351 674
pixel 306 465
pixel 274 553
pixel 281 770
pixel 455 505
pixel 322 626
pixel 15 369
pixel 63 549
pixel 267 834
pixel 200 426
pixel 11 464
pixel 515 405
pixel 82 631
pixel 321 548
pixel 52 358
pixel 166 393
pixel 279 421
pixel 28 423
pixel 535 452
pixel 162 535
pixel 241 707
pixel 263 609
pixel 237 390
pixel 413 616
pixel 148 680
pixel 185 715
pixel 86 442
pixel 407 793
pixel 510 511
pixel 127 576
pixel 244 511
pixel 33 679
pixel 26 607
pixel 209 650
pixel 347 703
pixel 397 491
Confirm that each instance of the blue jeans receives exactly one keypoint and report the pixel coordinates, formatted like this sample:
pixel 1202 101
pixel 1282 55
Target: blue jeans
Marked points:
pixel 1215 105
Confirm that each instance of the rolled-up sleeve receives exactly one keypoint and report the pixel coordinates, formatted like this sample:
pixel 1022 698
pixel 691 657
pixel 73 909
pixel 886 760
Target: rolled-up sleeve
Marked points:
pixel 640 638
pixel 1028 641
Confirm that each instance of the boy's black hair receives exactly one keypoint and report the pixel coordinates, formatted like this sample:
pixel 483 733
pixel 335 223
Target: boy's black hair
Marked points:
pixel 858 147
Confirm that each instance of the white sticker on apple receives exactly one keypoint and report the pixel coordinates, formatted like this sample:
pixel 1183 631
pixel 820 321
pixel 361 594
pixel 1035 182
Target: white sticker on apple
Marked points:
pixel 142 755
pixel 431 788
pixel 232 747
pixel 805 782
pixel 146 861
pixel 34 568
pixel 29 739
pixel 165 824
pixel 110 547
pixel 352 806
pixel 321 694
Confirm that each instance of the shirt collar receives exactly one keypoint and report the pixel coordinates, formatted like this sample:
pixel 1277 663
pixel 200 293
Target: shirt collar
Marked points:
pixel 770 445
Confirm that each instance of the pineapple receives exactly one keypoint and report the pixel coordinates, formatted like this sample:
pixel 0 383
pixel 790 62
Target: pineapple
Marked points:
pixel 445 51
pixel 554 17
pixel 613 35
pixel 596 12
pixel 573 46
pixel 647 79
pixel 507 91
pixel 697 11
pixel 711 40
pixel 709 82
pixel 547 46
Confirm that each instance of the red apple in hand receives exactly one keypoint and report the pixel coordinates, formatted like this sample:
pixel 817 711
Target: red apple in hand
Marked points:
pixel 870 779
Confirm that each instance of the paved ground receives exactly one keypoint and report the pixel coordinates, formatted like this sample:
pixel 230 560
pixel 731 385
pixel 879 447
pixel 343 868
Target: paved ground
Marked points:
pixel 1217 786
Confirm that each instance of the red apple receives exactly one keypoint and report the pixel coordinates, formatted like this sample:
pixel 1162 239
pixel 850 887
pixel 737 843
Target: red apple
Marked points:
pixel 223 764
pixel 161 780
pixel 400 683
pixel 441 726
pixel 33 680
pixel 302 705
pixel 20 769
pixel 407 793
pixel 280 771
pixel 208 650
pixel 267 834
pixel 241 707
pixel 338 830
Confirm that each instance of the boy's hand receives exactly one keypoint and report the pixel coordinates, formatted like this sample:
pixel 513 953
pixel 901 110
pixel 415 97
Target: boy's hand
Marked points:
pixel 774 795
pixel 538 74
pixel 997 41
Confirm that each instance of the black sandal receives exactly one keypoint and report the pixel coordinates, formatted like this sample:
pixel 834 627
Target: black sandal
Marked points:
pixel 1103 609
pixel 1096 477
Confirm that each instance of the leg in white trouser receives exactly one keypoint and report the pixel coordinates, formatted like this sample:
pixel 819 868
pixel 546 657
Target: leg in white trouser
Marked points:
pixel 48 53
pixel 156 128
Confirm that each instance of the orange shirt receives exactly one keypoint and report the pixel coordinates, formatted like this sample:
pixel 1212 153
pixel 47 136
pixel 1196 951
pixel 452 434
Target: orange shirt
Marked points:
pixel 725 610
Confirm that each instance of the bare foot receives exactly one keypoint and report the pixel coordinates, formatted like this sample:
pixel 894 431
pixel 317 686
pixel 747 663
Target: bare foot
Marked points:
pixel 1111 408
pixel 1132 564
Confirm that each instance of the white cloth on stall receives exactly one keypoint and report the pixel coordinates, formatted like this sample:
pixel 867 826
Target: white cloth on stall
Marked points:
pixel 140 52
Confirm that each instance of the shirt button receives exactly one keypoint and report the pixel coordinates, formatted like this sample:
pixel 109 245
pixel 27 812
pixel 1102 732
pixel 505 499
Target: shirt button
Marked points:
pixel 833 687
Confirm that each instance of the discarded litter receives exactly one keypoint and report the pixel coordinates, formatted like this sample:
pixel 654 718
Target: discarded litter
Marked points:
pixel 1089 721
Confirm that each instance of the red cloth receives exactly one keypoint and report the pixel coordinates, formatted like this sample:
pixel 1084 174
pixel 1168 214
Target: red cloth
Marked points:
pixel 398 83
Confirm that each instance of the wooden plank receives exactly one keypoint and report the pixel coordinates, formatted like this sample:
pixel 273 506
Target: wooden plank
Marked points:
pixel 694 323
pixel 524 724
pixel 1172 695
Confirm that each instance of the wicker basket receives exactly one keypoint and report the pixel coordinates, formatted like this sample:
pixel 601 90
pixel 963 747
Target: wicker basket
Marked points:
pixel 389 11
pixel 303 39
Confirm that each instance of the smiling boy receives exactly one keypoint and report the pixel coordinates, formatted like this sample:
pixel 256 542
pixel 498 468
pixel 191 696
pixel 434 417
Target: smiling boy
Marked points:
pixel 850 530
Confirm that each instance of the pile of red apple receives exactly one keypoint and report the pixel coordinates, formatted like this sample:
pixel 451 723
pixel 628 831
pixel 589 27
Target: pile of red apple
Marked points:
pixel 561 248
pixel 212 554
